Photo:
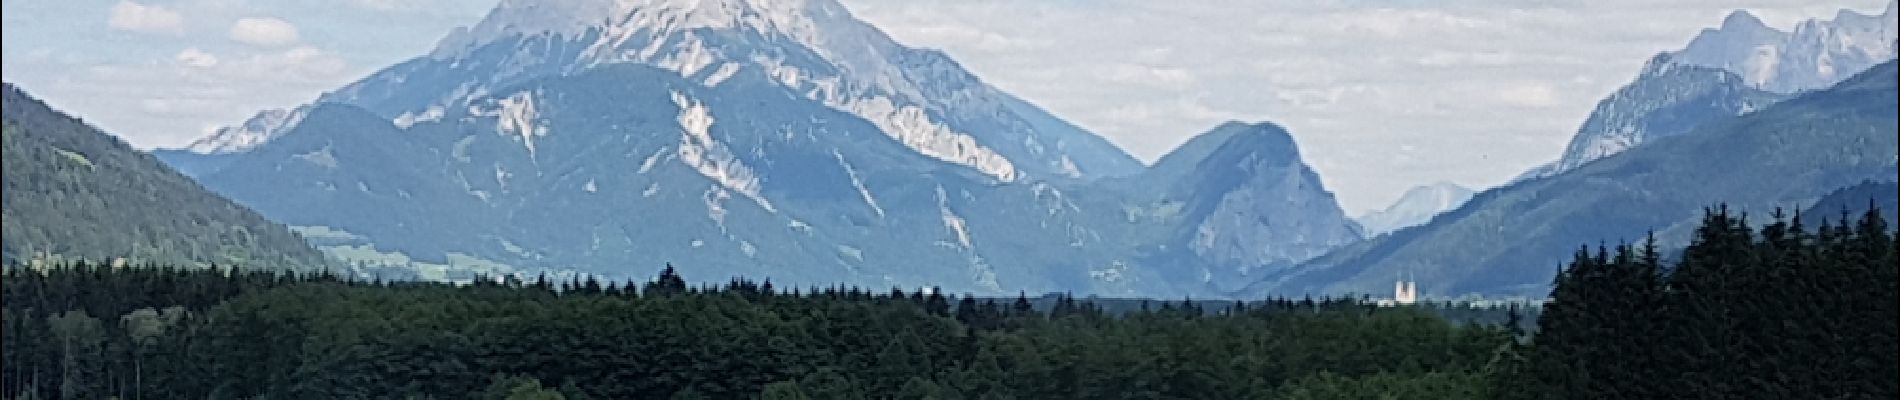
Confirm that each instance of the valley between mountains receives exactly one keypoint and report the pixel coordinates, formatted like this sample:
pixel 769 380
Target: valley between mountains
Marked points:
pixel 795 142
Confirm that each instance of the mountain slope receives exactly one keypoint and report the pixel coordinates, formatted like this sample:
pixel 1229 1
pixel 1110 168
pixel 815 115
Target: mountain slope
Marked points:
pixel 625 165
pixel 1237 201
pixel 1666 99
pixel 1817 54
pixel 1854 201
pixel 1416 206
pixel 1508 240
pixel 1736 68
pixel 814 48
pixel 73 191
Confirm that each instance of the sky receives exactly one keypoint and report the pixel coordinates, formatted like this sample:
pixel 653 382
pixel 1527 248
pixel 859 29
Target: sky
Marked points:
pixel 1381 95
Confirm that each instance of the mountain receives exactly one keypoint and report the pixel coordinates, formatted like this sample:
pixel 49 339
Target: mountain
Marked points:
pixel 1815 55
pixel 1854 200
pixel 1509 240
pixel 813 48
pixel 781 140
pixel 1667 99
pixel 1417 206
pixel 1237 201
pixel 216 151
pixel 72 191
pixel 1736 68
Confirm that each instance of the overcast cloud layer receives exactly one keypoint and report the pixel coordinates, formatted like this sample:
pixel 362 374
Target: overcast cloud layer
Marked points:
pixel 1381 95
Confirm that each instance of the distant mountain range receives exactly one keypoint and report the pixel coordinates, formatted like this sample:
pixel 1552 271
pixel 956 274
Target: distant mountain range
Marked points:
pixel 1855 200
pixel 791 141
pixel 1817 54
pixel 1667 99
pixel 72 192
pixel 783 140
pixel 1739 67
pixel 1509 240
pixel 1417 206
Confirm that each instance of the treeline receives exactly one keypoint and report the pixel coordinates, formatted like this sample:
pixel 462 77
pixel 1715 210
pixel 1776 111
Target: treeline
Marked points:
pixel 1783 311
pixel 86 331
pixel 68 190
pixel 1779 312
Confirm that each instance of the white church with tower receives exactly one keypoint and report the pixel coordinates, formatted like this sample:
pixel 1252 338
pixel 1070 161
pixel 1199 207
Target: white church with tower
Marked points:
pixel 1404 292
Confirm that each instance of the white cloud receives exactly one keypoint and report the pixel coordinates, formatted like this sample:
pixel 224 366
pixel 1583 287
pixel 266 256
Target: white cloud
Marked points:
pixel 264 31
pixel 381 5
pixel 978 38
pixel 1173 77
pixel 170 103
pixel 192 57
pixel 1528 95
pixel 302 64
pixel 134 17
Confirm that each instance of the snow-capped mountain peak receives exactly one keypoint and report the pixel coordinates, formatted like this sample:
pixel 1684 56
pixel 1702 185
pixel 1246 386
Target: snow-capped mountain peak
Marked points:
pixel 816 48
pixel 1741 66
pixel 1417 206
pixel 1816 54
pixel 618 20
pixel 261 128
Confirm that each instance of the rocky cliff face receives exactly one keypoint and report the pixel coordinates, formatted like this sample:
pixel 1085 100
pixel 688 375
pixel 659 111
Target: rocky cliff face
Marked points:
pixel 1741 66
pixel 1816 54
pixel 1246 206
pixel 1667 99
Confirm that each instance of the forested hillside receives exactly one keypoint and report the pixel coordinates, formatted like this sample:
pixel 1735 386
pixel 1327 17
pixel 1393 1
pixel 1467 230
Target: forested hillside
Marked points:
pixel 73 191
pixel 1783 312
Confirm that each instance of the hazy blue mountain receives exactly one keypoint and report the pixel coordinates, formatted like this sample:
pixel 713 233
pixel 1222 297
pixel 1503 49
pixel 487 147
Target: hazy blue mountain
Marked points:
pixel 224 146
pixel 1416 206
pixel 780 139
pixel 1736 68
pixel 1815 55
pixel 618 168
pixel 814 48
pixel 1854 200
pixel 783 140
pixel 1666 99
pixel 72 191
pixel 1233 203
pixel 1509 240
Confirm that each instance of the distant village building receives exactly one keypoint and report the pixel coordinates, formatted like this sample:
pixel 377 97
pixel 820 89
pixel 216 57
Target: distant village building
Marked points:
pixel 1403 293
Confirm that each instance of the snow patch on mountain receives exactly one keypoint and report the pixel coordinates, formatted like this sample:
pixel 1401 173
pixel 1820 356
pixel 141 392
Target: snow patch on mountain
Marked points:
pixel 1816 54
pixel 955 223
pixel 725 71
pixel 981 272
pixel 515 116
pixel 689 57
pixel 253 132
pixel 858 183
pixel 664 33
pixel 912 127
pixel 647 165
pixel 710 157
pixel 408 119
pixel 323 157
pixel 908 124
